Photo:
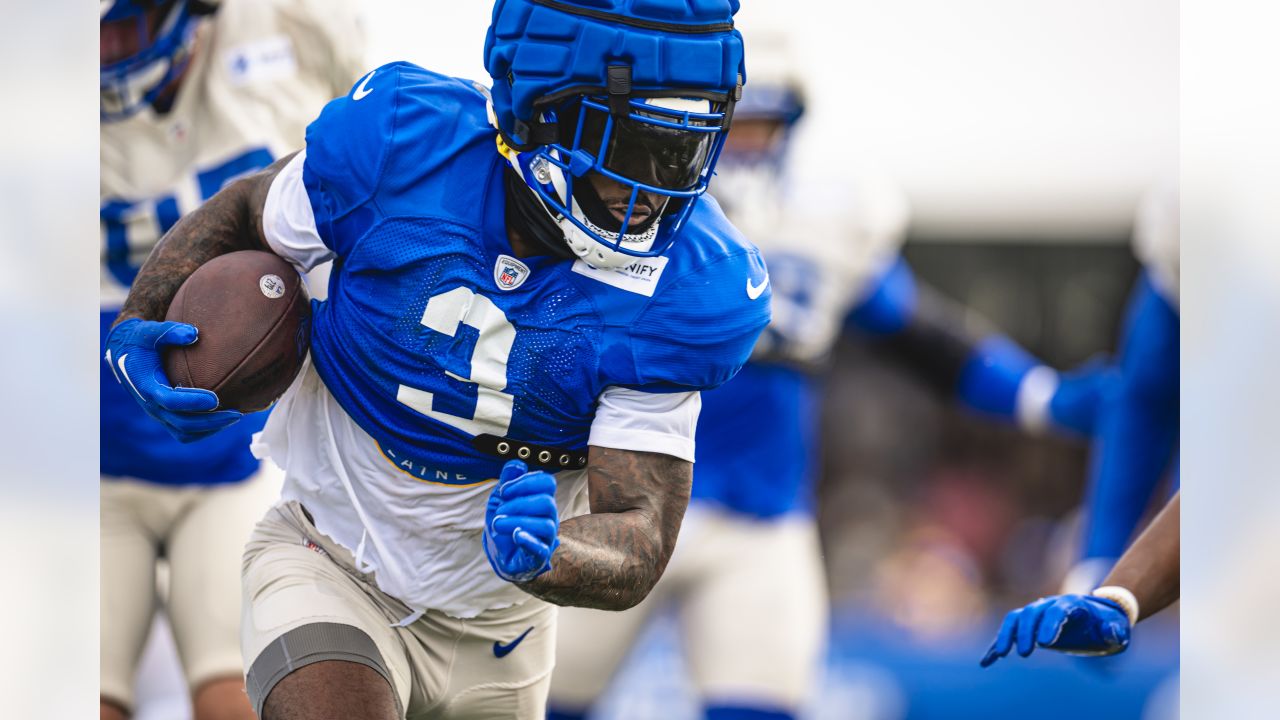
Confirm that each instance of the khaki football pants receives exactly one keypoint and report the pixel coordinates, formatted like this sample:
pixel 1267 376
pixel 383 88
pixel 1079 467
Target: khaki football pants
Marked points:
pixel 751 601
pixel 200 532
pixel 305 602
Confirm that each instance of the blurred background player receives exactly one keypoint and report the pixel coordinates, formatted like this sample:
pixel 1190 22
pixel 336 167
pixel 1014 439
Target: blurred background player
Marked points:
pixel 1144 581
pixel 193 95
pixel 1135 445
pixel 748 575
pixel 1133 451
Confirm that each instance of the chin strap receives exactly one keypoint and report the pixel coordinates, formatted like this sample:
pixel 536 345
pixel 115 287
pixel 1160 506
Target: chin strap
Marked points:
pixel 525 208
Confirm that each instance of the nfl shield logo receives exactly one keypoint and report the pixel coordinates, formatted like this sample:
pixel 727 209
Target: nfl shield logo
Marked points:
pixel 509 273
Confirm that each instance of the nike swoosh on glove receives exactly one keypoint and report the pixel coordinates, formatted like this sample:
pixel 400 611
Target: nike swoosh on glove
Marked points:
pixel 521 523
pixel 1074 624
pixel 133 352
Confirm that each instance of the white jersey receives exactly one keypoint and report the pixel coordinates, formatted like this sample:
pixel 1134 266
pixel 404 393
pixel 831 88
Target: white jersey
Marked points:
pixel 1156 238
pixel 831 244
pixel 261 71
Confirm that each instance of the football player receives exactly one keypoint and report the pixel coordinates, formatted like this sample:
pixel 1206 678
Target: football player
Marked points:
pixel 1144 581
pixel 748 575
pixel 1136 440
pixel 193 95
pixel 529 291
pixel 1134 448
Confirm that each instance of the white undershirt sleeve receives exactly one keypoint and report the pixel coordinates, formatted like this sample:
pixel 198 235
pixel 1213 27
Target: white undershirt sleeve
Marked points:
pixel 647 422
pixel 288 220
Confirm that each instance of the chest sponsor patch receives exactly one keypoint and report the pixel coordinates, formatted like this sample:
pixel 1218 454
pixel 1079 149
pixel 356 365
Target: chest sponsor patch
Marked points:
pixel 509 273
pixel 640 277
pixel 265 60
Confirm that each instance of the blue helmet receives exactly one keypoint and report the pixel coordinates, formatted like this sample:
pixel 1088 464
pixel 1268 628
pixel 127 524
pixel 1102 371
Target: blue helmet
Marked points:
pixel 160 35
pixel 614 112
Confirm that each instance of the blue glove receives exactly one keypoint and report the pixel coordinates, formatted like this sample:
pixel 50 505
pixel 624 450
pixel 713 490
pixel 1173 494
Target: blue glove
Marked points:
pixel 521 523
pixel 133 352
pixel 1075 624
pixel 1075 404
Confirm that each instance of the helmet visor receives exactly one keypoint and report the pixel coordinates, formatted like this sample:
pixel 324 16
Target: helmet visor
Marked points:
pixel 653 145
pixel 626 178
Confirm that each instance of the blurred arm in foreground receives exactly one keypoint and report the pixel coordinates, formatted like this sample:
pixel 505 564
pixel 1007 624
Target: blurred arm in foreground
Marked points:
pixel 1136 430
pixel 1144 581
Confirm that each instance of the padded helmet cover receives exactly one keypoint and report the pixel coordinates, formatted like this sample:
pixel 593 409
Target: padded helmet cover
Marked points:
pixel 537 51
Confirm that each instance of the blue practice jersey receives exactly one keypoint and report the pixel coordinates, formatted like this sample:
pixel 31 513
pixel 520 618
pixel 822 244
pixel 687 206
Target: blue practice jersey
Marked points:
pixel 757 442
pixel 758 436
pixel 433 333
pixel 1137 429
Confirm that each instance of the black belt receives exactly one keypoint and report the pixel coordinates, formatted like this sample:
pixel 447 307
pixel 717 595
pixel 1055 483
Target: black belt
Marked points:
pixel 544 456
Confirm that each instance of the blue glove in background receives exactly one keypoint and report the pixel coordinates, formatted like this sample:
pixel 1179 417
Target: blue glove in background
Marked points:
pixel 1075 404
pixel 133 352
pixel 521 523
pixel 1075 624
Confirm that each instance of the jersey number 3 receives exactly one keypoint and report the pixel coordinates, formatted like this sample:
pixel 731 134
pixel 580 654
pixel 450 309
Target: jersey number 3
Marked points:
pixel 444 314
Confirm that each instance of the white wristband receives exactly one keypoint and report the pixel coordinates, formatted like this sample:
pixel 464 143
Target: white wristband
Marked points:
pixel 1121 597
pixel 1035 392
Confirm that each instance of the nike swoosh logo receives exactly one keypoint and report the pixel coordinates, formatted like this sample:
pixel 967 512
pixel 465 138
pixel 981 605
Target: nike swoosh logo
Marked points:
pixel 125 373
pixel 111 364
pixel 361 91
pixel 754 291
pixel 501 651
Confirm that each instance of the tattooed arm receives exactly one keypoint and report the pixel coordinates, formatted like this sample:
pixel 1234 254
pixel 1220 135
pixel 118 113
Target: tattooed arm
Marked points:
pixel 230 220
pixel 611 558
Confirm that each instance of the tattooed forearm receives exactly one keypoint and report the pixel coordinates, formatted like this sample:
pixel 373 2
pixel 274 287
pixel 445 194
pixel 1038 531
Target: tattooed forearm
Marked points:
pixel 228 221
pixel 612 558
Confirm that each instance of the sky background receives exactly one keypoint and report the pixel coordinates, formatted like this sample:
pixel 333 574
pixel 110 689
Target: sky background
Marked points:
pixel 1000 119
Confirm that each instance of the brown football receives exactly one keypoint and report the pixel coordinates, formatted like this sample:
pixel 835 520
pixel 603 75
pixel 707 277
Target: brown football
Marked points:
pixel 254 318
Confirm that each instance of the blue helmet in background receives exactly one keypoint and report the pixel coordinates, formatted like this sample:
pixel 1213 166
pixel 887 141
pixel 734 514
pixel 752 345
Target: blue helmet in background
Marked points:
pixel 161 34
pixel 633 95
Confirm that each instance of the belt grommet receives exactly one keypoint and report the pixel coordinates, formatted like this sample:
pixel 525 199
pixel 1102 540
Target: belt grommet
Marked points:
pixel 544 457
pixel 565 460
pixel 504 448
pixel 582 459
pixel 524 452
